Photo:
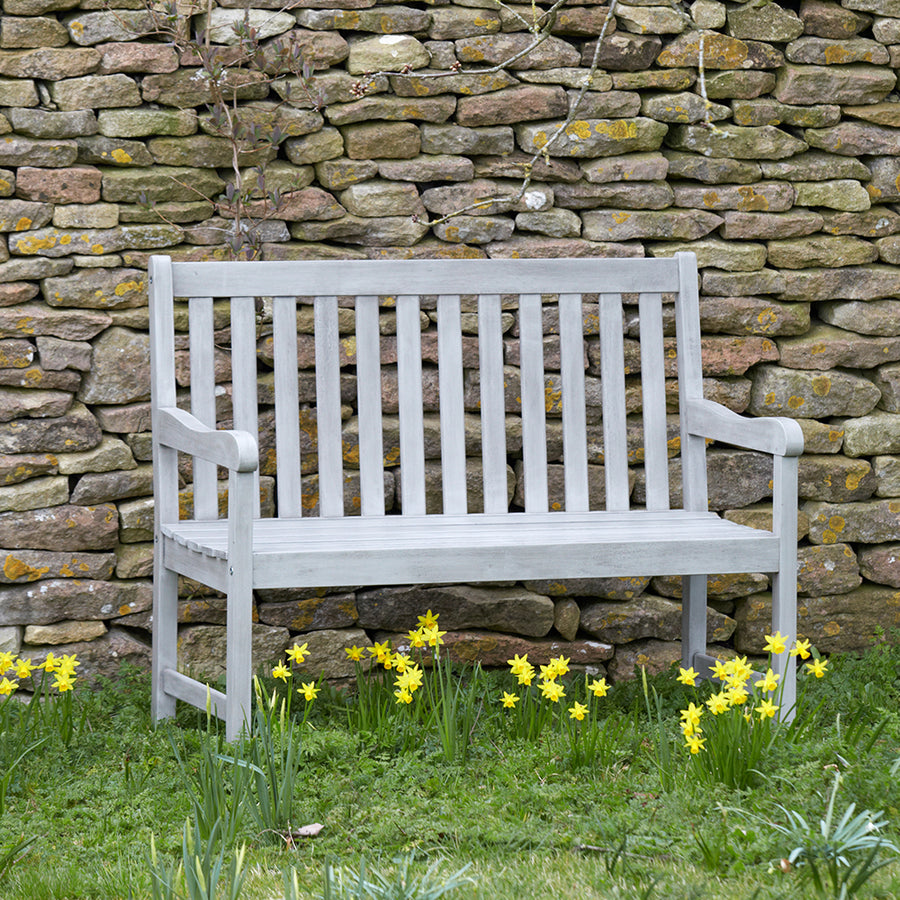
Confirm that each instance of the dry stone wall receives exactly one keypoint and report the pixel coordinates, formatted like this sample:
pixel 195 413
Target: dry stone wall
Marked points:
pixel 785 184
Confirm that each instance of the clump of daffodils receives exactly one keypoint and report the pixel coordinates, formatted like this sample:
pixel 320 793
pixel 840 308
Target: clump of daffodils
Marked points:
pixel 296 655
pixel 13 670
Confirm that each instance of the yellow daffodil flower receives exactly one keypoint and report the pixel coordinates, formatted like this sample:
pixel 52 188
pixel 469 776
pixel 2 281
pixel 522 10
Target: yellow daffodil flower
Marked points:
pixel 509 700
pixel 720 670
pixel 548 672
pixel 63 681
pixel 692 713
pixel 433 636
pixel 429 620
pixel 562 664
pixel 740 668
pixel 718 703
pixel 769 682
pixel 801 649
pixel 766 710
pixel 297 653
pixel 410 679
pixel 577 711
pixel 50 663
pixel 416 639
pixel 387 660
pixel 736 696
pixel 598 687
pixel 281 671
pixel 378 650
pixel 518 663
pixel 526 676
pixel 6 661
pixel 817 667
pixel 775 643
pixel 7 686
pixel 309 690
pixel 23 668
pixel 403 696
pixel 687 676
pixel 355 653
pixel 552 690
pixel 695 743
pixel 401 662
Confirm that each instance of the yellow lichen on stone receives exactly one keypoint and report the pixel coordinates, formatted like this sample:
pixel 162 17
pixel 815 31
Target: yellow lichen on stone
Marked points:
pixel 120 156
pixel 852 481
pixel 795 402
pixel 835 54
pixel 16 570
pixel 750 200
pixel 552 399
pixel 821 385
pixel 710 199
pixel 578 130
pixel 831 628
pixel 620 217
pixel 23 224
pixel 618 130
pixel 767 318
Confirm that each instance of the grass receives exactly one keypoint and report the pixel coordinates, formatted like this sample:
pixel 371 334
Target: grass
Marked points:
pixel 517 813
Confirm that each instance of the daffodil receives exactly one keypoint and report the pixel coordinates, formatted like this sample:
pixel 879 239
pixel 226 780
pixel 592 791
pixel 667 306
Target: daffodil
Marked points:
pixel 403 695
pixel 410 679
pixel 688 676
pixel 50 663
pixel 429 620
pixel 801 649
pixel 387 660
pixel 416 639
pixel 817 667
pixel 518 663
pixel 401 662
pixel 309 690
pixel 7 686
pixel 577 711
pixel 737 696
pixel 720 670
pixel 598 687
pixel 562 664
pixel 526 676
pixel 378 650
pixel 509 700
pixel 548 672
pixel 6 661
pixel 692 713
pixel 281 671
pixel 23 668
pixel 775 643
pixel 433 636
pixel 694 743
pixel 552 690
pixel 718 703
pixel 766 710
pixel 355 653
pixel 63 681
pixel 297 653
pixel 740 668
pixel 769 682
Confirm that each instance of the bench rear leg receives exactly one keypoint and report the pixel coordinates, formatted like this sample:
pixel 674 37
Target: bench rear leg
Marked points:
pixel 165 637
pixel 693 621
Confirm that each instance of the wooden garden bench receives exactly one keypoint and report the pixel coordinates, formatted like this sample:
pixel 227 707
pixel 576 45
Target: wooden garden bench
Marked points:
pixel 241 551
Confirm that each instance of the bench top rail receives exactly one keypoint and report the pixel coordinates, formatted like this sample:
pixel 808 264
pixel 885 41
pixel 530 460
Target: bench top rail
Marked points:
pixel 328 465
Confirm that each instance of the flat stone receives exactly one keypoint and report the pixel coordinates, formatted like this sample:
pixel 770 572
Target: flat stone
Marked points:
pixel 18 92
pixel 48 63
pixel 219 24
pixel 881 563
pixel 103 487
pixel 732 256
pixel 97 289
pixel 769 22
pixel 43 124
pixel 752 315
pixel 521 247
pixel 867 521
pixel 455 139
pixel 89 28
pixel 879 7
pixel 383 231
pixel 760 516
pixel 797 393
pixel 771 112
pixel 381 140
pixel 887 380
pixel 109 455
pixel 96 149
pixel 431 82
pixel 337 174
pixel 574 77
pixel 885 175
pixel 650 655
pixel 684 107
pixel 627 195
pixel 759 197
pixel 821 437
pixel 475 229
pixel 652 166
pixel 95 92
pixel 161 183
pixel 27 320
pixel 696 167
pixel 842 194
pixel 383 20
pixel 735 84
pixel 853 85
pixel 623 588
pixel 492 49
pixel 885 30
pixel 830 20
pixel 14 294
pixel 735 141
pixel 120 371
pixel 17 150
pixel 21 566
pixel 875 317
pixel 854 139
pixel 825 347
pixel 201 648
pixel 821 250
pixel 390 52
pixel 309 613
pixel 516 104
pixel 628 53
pixel 827 569
pixel 32 31
pixel 135 57
pixel 721 283
pixel 720 588
pixel 566 618
pixel 835 478
pixel 16 354
pixel 427 109
pixel 826 52
pixel 560 223
pixel 833 623
pixel 708 13
pixel 649 19
pixel 875 433
pixel 719 52
pixel 427 167
pixel 19 402
pixel 79 184
pixel 517 164
pixel 62 527
pixel 379 197
pixel 86 215
pixel 22 215
pixel 36 493
pixel 769 226
pixel 320 50
pixel 313 148
pixel 849 283
pixel 188 87
pixel 670 224
pixel 130 123
pixel 63 632
pixel 584 138
pixel 648 617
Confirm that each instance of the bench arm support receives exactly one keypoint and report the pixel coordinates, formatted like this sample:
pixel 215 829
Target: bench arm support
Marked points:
pixel 778 436
pixel 235 450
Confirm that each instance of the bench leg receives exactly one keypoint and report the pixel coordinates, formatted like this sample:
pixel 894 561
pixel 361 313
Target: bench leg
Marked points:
pixel 784 581
pixel 165 636
pixel 693 620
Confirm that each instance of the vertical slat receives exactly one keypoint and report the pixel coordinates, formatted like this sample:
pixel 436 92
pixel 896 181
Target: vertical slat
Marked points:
pixel 534 432
pixel 203 401
pixel 784 581
pixel 653 394
pixel 493 403
pixel 690 380
pixel 287 407
pixel 409 376
pixel 450 382
pixel 612 374
pixel 571 340
pixel 368 388
pixel 243 371
pixel 328 407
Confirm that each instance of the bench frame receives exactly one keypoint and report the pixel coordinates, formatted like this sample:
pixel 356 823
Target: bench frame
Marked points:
pixel 242 551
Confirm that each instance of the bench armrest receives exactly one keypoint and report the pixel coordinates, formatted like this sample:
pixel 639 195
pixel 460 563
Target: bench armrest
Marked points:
pixel 778 436
pixel 180 430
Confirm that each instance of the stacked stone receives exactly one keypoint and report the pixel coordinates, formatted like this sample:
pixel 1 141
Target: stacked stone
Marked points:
pixel 785 184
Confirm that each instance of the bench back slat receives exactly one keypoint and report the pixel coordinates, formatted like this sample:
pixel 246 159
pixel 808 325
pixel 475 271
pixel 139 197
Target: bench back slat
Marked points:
pixel 493 403
pixel 653 401
pixel 287 403
pixel 328 407
pixel 571 342
pixel 409 376
pixel 368 393
pixel 244 371
pixel 203 401
pixel 612 377
pixel 452 413
pixel 534 425
pixel 464 385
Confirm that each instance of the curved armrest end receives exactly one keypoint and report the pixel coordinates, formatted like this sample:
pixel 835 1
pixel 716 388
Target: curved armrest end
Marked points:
pixel 777 435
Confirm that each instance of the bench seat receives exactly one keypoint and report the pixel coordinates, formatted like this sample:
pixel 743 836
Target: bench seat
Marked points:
pixel 482 547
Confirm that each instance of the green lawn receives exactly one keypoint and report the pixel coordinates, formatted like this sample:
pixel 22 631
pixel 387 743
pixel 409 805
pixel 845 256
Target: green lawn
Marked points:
pixel 527 819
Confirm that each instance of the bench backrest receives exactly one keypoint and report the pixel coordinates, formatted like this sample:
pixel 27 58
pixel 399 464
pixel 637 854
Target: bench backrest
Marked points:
pixel 589 308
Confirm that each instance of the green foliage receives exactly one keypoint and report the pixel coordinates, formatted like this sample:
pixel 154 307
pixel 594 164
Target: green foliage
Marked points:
pixel 345 883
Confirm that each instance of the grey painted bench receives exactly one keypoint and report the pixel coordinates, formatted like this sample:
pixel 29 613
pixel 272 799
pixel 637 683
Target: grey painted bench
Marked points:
pixel 241 551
